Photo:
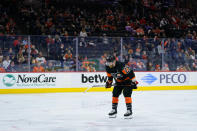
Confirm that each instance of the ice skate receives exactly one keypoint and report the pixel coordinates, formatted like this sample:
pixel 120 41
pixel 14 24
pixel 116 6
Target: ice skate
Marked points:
pixel 112 113
pixel 128 114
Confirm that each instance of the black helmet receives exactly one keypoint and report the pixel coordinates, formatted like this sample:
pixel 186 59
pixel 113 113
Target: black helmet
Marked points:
pixel 110 58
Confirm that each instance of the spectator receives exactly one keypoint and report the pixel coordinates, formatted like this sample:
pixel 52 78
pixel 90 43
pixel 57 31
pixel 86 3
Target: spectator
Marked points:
pixel 140 66
pixel 163 23
pixel 49 40
pixel 25 41
pixel 1 55
pixel 34 51
pixel 157 67
pixel 61 52
pixel 69 48
pixel 70 65
pixel 105 39
pixel 130 53
pixel 138 52
pixel 125 59
pixel 128 27
pixel 180 68
pixel 50 67
pixel 1 68
pixel 160 48
pixel 38 68
pixel 144 55
pixel 83 34
pixel 140 31
pixel 90 68
pixel 192 55
pixel 194 66
pixel 6 62
pixel 157 31
pixel 102 61
pixel 11 54
pixel 33 60
pixel 12 67
pixel 20 57
pixel 150 66
pixel 17 43
pixel 165 68
pixel 86 63
pixel 57 40
pixel 68 56
pixel 194 37
pixel 124 50
pixel 187 67
pixel 40 59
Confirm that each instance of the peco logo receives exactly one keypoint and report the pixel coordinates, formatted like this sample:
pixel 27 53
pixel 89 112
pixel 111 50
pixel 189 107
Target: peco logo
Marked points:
pixel 173 78
pixel 166 78
pixel 9 80
pixel 149 78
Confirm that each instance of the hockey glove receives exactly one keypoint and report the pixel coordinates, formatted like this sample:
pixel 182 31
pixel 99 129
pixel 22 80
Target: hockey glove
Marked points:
pixel 119 76
pixel 108 84
pixel 134 85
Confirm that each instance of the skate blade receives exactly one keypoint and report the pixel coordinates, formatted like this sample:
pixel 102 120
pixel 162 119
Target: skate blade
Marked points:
pixel 128 117
pixel 112 116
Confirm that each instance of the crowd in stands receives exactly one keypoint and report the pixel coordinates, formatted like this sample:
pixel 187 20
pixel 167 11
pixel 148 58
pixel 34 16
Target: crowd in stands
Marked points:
pixel 161 55
pixel 164 18
pixel 157 34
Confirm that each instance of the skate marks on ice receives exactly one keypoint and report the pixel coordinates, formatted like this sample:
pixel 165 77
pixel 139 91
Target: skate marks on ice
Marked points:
pixel 152 111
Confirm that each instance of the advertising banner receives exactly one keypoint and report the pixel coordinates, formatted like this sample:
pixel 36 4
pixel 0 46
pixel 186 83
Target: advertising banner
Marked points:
pixel 32 80
pixel 145 79
pixel 148 80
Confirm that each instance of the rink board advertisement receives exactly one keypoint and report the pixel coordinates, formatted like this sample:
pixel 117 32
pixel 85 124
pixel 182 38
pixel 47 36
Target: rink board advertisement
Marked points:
pixel 80 81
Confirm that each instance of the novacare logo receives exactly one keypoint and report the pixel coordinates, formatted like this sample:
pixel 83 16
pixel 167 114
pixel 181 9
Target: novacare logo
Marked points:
pixel 26 80
pixel 42 78
pixel 9 80
pixel 91 79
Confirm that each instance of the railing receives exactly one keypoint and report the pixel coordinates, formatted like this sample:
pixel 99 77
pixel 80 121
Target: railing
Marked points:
pixel 55 53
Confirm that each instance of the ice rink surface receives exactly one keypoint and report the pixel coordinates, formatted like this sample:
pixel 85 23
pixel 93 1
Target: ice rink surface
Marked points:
pixel 153 111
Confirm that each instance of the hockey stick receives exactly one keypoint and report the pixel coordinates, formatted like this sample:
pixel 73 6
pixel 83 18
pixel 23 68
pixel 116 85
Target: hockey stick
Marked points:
pixel 102 86
pixel 111 85
pixel 87 89
pixel 92 87
pixel 95 86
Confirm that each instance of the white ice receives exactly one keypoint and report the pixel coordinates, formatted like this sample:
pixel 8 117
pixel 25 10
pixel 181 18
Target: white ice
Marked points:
pixel 153 111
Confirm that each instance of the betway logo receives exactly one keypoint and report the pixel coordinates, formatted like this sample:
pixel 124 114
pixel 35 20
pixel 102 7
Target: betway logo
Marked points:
pixel 91 79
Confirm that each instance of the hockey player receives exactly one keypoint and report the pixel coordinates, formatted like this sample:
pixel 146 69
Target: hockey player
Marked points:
pixel 125 82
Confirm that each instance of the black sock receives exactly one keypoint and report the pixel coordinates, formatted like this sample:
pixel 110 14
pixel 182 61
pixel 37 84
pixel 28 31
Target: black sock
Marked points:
pixel 129 106
pixel 114 106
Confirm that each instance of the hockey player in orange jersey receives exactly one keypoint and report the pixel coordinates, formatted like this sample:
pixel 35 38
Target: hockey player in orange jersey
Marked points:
pixel 125 82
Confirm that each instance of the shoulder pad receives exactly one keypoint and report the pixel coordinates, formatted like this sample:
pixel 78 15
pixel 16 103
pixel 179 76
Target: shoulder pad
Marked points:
pixel 126 69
